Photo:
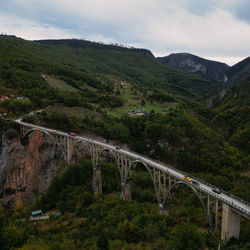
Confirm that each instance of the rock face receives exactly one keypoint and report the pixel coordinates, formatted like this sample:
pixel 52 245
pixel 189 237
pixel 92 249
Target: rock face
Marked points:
pixel 214 71
pixel 26 168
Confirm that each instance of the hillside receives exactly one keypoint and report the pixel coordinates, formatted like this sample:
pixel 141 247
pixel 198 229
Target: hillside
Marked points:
pixel 133 65
pixel 239 71
pixel 234 115
pixel 211 70
pixel 126 97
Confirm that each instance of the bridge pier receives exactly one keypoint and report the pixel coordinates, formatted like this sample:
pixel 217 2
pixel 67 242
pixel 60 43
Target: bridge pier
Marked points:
pixel 70 147
pixel 163 209
pixel 126 191
pixel 230 223
pixel 97 180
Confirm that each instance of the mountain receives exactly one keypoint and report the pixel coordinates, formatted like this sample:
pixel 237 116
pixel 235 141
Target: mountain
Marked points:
pixel 233 115
pixel 91 89
pixel 211 70
pixel 136 65
pixel 80 59
pixel 239 71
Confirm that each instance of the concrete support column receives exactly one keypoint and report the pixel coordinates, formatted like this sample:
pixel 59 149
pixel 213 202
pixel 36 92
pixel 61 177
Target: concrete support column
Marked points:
pixel 164 209
pixel 97 180
pixel 216 207
pixel 69 149
pixel 127 191
pixel 230 224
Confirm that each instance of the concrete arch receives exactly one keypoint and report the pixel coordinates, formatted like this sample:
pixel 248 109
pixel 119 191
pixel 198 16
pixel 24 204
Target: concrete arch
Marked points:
pixel 133 166
pixel 172 191
pixel 25 136
pixel 96 156
pixel 76 146
pixel 115 156
pixel 109 151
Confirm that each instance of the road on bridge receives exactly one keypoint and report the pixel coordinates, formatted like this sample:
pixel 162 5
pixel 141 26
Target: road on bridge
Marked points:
pixel 240 206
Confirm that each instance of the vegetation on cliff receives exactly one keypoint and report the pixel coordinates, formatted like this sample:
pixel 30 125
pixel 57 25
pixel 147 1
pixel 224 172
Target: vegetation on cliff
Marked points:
pixel 93 87
pixel 106 222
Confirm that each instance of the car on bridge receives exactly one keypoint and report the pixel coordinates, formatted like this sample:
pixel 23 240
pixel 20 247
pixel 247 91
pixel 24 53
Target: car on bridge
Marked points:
pixel 187 178
pixel 72 134
pixel 196 183
pixel 216 190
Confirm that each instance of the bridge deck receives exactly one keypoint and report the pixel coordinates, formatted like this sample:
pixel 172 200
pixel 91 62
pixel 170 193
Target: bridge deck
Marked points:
pixel 240 206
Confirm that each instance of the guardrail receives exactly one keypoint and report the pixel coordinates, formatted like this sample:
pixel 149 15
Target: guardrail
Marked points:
pixel 170 167
pixel 205 183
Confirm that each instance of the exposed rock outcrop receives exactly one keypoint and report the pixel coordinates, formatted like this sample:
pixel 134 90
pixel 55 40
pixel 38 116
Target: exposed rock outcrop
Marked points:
pixel 26 169
pixel 211 70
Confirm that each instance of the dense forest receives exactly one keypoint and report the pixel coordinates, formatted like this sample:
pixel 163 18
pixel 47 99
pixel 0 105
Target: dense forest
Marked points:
pixel 106 222
pixel 88 87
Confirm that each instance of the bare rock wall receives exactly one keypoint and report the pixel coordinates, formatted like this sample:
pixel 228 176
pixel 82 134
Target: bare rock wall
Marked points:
pixel 26 168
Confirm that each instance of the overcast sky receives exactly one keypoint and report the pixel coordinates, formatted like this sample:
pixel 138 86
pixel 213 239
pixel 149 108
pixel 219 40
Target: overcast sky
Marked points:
pixel 213 29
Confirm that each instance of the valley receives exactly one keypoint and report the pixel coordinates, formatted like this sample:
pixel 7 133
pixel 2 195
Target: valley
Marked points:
pixel 127 97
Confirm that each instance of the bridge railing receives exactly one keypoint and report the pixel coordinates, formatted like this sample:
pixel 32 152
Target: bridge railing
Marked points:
pixel 174 169
pixel 201 181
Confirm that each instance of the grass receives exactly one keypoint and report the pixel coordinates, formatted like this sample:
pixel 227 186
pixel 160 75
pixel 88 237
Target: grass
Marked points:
pixel 59 84
pixel 77 111
pixel 132 101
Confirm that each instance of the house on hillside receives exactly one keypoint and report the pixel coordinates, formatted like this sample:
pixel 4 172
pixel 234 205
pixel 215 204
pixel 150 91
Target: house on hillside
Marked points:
pixel 20 98
pixel 139 112
pixel 124 83
pixel 3 98
pixel 38 215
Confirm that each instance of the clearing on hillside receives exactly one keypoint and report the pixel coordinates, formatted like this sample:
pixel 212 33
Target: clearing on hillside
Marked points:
pixel 59 84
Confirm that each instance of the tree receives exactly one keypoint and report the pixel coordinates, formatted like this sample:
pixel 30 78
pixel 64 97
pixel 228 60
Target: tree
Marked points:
pixel 186 237
pixel 19 210
pixel 102 242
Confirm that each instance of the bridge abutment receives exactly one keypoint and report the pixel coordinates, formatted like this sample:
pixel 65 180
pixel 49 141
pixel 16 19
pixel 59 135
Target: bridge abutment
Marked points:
pixel 230 224
pixel 97 180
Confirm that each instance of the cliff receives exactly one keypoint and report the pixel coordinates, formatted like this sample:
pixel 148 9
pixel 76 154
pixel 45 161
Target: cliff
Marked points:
pixel 211 70
pixel 26 168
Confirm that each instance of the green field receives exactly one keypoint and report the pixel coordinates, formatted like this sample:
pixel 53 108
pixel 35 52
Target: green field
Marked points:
pixel 59 84
pixel 132 101
pixel 74 111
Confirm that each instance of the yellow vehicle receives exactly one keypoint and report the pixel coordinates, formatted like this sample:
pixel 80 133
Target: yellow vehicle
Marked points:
pixel 187 178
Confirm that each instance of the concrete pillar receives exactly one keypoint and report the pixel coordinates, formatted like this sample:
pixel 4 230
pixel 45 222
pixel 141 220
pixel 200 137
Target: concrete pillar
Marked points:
pixel 69 149
pixel 216 208
pixel 127 191
pixel 230 223
pixel 97 180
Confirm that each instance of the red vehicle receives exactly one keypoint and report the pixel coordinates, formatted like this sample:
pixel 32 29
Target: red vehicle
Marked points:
pixel 72 134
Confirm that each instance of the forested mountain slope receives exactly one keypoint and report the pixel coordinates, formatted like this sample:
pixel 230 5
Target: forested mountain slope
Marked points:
pixel 239 71
pixel 94 90
pixel 234 115
pixel 211 70
pixel 77 60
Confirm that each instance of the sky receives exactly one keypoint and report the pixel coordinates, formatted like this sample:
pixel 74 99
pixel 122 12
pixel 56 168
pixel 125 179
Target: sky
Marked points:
pixel 213 29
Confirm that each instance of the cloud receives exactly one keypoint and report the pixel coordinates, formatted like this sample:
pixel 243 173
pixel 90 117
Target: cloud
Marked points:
pixel 31 30
pixel 209 28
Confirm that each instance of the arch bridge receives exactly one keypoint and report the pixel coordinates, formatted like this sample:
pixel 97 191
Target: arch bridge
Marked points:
pixel 166 179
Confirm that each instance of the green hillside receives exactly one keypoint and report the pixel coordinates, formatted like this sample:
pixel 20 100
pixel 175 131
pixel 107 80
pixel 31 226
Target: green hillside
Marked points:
pixel 234 115
pixel 80 62
pixel 90 222
pixel 127 97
